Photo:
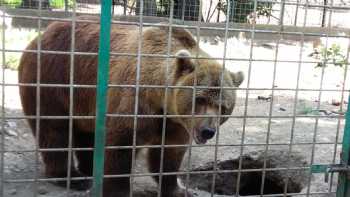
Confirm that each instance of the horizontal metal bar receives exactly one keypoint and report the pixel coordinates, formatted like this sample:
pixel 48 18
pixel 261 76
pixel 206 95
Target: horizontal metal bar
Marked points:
pixel 48 52
pixel 170 146
pixel 174 173
pixel 171 87
pixel 160 56
pixel 320 168
pixel 172 116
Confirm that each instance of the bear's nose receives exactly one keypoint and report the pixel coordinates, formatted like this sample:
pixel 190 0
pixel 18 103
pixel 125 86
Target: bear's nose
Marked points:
pixel 207 133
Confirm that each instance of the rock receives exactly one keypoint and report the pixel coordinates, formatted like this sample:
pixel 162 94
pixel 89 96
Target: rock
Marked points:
pixel 12 124
pixel 282 109
pixel 335 102
pixel 264 98
pixel 215 41
pixel 42 190
pixel 11 132
pixel 250 181
pixel 13 191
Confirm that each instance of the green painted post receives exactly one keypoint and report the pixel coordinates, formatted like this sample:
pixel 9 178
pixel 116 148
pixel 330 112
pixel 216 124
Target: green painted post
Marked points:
pixel 343 189
pixel 101 97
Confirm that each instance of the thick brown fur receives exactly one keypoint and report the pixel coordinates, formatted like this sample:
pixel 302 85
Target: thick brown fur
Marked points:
pixel 55 101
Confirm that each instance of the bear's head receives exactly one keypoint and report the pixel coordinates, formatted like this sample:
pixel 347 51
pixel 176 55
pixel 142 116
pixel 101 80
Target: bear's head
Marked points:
pixel 214 94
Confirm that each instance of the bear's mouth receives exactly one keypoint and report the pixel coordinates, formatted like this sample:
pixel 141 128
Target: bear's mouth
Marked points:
pixel 197 138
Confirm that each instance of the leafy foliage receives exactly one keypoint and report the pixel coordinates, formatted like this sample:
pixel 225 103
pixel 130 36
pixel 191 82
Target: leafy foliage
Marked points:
pixel 60 3
pixel 332 55
pixel 11 3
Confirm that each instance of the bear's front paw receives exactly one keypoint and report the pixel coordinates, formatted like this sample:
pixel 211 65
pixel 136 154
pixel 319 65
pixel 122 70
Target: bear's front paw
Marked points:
pixel 179 193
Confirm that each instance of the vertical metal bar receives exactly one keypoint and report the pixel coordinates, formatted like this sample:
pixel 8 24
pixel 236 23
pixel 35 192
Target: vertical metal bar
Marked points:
pixel 165 104
pixel 193 107
pixel 70 161
pixel 324 13
pixel 283 6
pixel 343 189
pixel 37 114
pixel 267 142
pixel 2 142
pixel 246 103
pixel 101 97
pixel 182 10
pixel 296 96
pixel 137 93
pixel 125 6
pixel 296 13
pixel 220 99
pixel 218 16
pixel 319 105
pixel 66 5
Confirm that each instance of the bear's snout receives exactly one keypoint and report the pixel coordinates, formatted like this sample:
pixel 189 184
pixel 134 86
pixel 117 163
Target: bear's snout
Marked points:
pixel 207 133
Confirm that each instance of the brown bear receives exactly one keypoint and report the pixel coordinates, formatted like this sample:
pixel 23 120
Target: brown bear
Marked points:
pixel 57 68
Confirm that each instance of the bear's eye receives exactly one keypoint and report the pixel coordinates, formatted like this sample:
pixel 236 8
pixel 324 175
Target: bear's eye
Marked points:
pixel 201 100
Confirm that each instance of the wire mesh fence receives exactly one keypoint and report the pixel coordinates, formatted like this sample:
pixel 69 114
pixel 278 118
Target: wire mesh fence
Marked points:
pixel 244 110
pixel 242 11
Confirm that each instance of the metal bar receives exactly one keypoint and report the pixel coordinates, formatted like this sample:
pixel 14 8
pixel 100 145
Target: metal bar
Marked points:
pixel 168 146
pixel 170 86
pixel 165 104
pixel 343 189
pixel 220 96
pixel 173 116
pixel 319 105
pixel 70 162
pixel 101 97
pixel 2 141
pixel 37 113
pixel 243 136
pixel 166 173
pixel 292 132
pixel 273 85
pixel 193 107
pixel 137 93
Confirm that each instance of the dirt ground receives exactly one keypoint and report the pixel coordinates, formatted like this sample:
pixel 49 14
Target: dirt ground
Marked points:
pixel 19 165
pixel 259 129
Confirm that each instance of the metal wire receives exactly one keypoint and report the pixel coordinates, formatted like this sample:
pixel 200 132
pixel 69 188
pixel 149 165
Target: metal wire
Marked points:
pixel 295 102
pixel 193 108
pixel 220 98
pixel 165 104
pixel 273 85
pixel 71 103
pixel 37 113
pixel 137 91
pixel 172 146
pixel 318 107
pixel 246 106
pixel 3 120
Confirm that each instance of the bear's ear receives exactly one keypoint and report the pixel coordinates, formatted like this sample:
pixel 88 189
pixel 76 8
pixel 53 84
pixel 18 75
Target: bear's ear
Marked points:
pixel 184 64
pixel 237 78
